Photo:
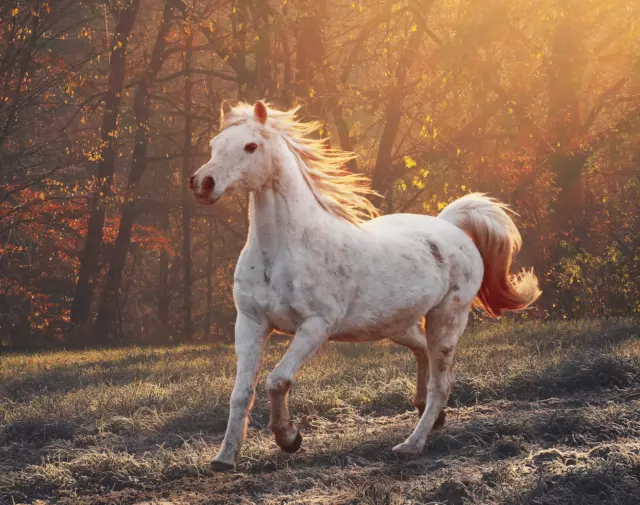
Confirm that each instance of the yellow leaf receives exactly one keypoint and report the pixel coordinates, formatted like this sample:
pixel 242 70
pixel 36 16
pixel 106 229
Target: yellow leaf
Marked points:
pixel 409 162
pixel 414 28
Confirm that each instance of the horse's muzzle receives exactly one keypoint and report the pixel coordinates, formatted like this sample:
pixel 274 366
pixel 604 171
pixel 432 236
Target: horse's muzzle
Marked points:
pixel 203 191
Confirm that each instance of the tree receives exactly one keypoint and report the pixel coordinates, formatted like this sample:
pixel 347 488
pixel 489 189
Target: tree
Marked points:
pixel 141 111
pixel 80 309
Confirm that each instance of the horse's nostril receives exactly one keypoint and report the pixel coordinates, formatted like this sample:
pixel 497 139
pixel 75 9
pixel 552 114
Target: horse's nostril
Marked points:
pixel 207 185
pixel 192 182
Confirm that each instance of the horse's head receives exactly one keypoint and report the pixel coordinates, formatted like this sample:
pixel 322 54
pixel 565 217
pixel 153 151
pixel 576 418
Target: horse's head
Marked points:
pixel 240 156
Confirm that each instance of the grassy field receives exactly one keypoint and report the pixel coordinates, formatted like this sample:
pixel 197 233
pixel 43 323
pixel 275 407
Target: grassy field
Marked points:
pixel 540 414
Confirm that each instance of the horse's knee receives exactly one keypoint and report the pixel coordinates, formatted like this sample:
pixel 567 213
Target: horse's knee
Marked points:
pixel 241 398
pixel 277 384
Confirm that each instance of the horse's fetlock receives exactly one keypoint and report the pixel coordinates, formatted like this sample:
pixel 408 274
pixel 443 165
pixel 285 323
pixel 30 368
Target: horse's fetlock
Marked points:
pixel 280 426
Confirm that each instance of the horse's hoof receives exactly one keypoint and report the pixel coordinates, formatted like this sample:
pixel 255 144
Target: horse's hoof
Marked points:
pixel 221 466
pixel 440 420
pixel 293 446
pixel 407 449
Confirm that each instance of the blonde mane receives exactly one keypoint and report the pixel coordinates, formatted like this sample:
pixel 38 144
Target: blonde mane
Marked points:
pixel 339 192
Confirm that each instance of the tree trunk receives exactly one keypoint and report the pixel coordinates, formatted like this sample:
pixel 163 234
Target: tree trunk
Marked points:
pixel 89 259
pixel 568 60
pixel 287 96
pixel 263 74
pixel 393 112
pixel 187 200
pixel 141 108
pixel 163 295
pixel 309 58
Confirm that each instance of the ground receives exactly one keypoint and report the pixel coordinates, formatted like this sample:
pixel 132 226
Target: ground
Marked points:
pixel 541 413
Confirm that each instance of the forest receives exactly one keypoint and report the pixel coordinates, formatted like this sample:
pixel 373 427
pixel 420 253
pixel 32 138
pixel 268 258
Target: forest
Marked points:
pixel 108 106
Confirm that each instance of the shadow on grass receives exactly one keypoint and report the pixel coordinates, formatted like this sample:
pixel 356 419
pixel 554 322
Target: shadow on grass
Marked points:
pixel 545 336
pixel 485 439
pixel 212 420
pixel 38 431
pixel 469 443
pixel 566 381
pixel 574 375
pixel 577 374
pixel 594 485
pixel 77 375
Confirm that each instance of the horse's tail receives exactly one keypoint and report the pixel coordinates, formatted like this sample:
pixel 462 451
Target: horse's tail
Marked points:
pixel 495 235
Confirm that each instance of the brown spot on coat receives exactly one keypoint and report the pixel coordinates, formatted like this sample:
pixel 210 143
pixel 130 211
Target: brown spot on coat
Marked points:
pixel 446 351
pixel 435 251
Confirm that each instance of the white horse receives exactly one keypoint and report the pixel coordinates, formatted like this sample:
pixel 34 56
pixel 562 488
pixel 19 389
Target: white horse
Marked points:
pixel 315 267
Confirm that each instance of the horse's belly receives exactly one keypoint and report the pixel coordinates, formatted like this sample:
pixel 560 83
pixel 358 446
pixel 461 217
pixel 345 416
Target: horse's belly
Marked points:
pixel 375 323
pixel 359 336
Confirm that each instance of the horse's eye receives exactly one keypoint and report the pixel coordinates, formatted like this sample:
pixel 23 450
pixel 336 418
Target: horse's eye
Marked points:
pixel 251 147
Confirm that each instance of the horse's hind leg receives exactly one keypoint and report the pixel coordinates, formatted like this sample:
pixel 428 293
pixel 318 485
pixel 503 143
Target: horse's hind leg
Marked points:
pixel 416 340
pixel 446 323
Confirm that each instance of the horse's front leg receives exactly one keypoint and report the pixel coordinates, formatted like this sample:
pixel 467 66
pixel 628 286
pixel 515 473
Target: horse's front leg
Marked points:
pixel 250 336
pixel 309 337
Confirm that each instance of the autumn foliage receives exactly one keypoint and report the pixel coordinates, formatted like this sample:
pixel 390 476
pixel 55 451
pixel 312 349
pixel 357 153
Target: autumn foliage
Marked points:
pixel 107 107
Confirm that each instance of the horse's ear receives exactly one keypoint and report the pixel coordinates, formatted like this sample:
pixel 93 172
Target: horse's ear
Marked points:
pixel 260 111
pixel 225 108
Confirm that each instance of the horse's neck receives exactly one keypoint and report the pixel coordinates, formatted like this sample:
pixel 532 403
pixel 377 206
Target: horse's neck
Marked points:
pixel 284 209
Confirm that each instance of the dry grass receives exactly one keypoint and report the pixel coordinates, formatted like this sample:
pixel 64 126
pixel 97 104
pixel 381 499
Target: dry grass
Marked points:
pixel 540 414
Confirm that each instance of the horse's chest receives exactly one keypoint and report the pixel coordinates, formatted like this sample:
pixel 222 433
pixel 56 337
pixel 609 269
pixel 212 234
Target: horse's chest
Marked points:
pixel 272 293
pixel 277 306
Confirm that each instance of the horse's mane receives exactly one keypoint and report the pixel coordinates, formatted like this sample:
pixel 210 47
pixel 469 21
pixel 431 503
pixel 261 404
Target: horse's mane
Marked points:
pixel 338 191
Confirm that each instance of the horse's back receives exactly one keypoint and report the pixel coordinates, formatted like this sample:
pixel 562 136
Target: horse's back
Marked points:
pixel 451 248
pixel 418 225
